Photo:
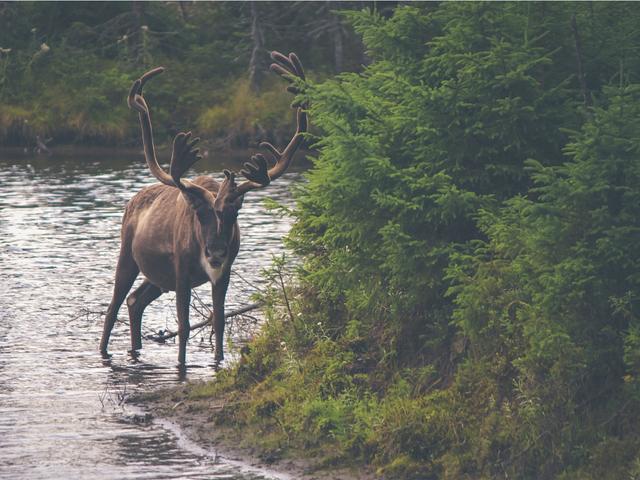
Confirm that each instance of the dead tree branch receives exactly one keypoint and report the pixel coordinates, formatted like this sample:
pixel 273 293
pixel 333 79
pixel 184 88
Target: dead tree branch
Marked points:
pixel 164 335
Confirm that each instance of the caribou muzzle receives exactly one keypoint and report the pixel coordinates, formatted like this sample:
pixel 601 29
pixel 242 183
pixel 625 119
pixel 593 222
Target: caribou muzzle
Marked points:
pixel 216 255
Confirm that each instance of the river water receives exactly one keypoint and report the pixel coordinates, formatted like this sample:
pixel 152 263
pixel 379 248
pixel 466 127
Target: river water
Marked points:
pixel 61 409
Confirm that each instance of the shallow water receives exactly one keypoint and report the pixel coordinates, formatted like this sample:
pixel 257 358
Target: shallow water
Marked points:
pixel 61 410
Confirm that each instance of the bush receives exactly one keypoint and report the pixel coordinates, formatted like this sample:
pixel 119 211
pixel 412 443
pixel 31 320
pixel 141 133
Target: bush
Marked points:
pixel 467 303
pixel 551 293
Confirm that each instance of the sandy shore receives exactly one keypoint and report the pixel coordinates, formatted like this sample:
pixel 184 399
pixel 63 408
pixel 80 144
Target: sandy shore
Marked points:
pixel 194 421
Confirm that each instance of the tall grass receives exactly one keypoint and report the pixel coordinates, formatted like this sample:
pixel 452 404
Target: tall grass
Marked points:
pixel 246 117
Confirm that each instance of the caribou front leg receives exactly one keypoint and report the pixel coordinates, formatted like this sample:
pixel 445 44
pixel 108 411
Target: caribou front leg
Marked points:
pixel 219 293
pixel 183 298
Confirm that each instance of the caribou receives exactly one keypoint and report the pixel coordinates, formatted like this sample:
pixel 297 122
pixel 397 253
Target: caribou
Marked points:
pixel 183 233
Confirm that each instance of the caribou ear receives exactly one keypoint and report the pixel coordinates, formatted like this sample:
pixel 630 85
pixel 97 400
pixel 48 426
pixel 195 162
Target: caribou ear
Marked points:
pixel 231 177
pixel 201 201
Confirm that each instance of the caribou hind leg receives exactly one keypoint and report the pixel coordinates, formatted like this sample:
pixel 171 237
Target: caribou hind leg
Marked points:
pixel 126 273
pixel 146 293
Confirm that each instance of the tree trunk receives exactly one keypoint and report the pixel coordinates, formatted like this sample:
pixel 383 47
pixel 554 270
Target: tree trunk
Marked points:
pixel 137 40
pixel 256 63
pixel 338 46
pixel 335 30
pixel 183 10
pixel 586 94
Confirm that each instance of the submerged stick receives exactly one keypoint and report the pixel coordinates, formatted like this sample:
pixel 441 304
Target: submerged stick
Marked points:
pixel 162 336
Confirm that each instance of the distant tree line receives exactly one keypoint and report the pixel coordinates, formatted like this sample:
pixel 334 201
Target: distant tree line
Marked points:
pixel 65 67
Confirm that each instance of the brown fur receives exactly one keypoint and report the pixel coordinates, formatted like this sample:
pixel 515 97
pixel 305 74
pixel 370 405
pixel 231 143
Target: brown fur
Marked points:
pixel 151 234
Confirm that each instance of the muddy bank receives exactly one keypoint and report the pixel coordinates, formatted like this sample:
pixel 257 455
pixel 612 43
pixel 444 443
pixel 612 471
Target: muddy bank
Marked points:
pixel 198 420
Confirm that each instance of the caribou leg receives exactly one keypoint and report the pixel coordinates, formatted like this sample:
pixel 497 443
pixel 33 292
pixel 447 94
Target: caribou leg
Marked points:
pixel 183 298
pixel 126 273
pixel 219 293
pixel 146 293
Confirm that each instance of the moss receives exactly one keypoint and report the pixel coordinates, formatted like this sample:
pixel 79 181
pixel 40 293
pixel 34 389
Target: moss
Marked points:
pixel 405 467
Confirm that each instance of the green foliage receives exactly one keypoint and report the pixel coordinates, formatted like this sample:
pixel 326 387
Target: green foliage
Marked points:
pixel 467 303
pixel 435 130
pixel 552 293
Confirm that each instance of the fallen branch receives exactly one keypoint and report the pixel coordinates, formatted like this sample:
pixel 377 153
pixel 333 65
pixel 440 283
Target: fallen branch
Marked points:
pixel 164 335
pixel 87 314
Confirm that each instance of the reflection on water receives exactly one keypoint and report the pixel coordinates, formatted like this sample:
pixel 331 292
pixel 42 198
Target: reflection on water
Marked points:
pixel 60 411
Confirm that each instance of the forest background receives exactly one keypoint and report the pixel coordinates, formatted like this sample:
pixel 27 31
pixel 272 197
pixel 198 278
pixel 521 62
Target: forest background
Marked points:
pixel 65 67
pixel 467 303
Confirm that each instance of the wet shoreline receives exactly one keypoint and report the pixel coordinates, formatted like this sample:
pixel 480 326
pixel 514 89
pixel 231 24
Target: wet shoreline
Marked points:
pixel 138 412
pixel 194 420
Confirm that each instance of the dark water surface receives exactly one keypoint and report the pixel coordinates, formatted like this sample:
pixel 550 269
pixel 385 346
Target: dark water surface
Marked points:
pixel 61 414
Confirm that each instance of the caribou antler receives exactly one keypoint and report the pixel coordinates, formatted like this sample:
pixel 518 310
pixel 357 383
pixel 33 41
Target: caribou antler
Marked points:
pixel 136 102
pixel 183 157
pixel 256 171
pixel 184 153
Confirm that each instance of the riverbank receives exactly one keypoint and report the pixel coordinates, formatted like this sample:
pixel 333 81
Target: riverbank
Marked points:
pixel 203 420
pixel 214 159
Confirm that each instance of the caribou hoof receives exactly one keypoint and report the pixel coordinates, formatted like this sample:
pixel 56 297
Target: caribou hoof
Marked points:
pixel 134 354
